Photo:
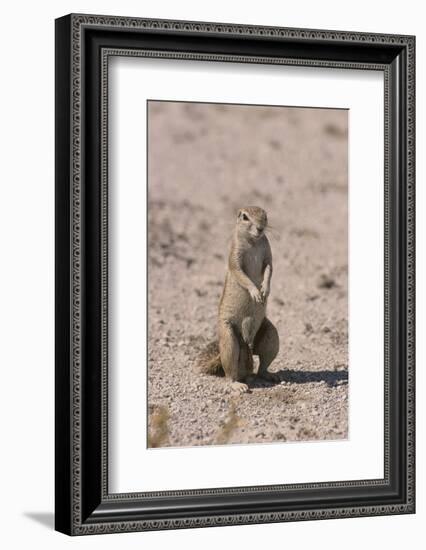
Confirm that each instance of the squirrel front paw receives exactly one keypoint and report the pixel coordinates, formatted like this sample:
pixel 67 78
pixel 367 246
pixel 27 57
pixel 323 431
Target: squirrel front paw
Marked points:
pixel 256 295
pixel 265 290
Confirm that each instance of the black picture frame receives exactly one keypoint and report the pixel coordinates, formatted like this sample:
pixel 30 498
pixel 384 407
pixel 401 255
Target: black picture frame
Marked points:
pixel 83 45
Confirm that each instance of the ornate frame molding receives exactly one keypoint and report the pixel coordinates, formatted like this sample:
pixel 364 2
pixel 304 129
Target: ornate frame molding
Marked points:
pixel 72 47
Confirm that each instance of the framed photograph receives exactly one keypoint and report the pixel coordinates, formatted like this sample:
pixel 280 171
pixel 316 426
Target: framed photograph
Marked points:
pixel 234 274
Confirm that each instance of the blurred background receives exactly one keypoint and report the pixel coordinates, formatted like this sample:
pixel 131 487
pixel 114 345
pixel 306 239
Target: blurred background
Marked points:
pixel 204 162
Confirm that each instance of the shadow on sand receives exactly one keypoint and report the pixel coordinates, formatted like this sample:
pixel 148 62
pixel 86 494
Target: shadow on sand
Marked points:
pixel 330 377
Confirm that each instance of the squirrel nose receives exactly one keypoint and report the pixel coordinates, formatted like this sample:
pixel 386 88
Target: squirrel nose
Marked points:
pixel 259 229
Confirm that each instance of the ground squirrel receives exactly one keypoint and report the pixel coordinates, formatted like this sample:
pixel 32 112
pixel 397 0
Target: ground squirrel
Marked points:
pixel 243 328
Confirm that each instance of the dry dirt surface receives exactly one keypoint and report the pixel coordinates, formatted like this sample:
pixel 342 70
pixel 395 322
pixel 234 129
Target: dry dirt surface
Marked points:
pixel 206 161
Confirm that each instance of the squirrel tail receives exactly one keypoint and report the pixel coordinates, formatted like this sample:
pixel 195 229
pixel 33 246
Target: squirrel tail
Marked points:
pixel 209 361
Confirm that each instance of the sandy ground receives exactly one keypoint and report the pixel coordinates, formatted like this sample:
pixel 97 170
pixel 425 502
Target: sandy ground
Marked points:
pixel 206 161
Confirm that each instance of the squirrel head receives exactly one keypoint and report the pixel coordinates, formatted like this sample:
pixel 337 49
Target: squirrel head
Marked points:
pixel 251 222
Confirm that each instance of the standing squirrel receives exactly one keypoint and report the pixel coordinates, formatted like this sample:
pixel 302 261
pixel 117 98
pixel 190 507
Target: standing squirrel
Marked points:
pixel 243 328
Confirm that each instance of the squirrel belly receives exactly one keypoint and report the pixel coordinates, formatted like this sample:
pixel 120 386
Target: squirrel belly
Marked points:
pixel 238 308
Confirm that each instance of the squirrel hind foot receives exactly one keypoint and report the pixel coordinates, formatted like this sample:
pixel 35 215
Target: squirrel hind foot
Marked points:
pixel 239 387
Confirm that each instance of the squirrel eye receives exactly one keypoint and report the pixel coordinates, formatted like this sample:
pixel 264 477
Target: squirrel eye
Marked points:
pixel 245 218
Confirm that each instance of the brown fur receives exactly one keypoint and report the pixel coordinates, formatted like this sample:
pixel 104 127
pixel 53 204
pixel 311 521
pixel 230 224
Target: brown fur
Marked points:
pixel 243 328
pixel 209 360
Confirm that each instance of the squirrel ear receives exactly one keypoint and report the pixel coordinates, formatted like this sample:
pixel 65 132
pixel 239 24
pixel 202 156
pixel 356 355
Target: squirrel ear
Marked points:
pixel 239 214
